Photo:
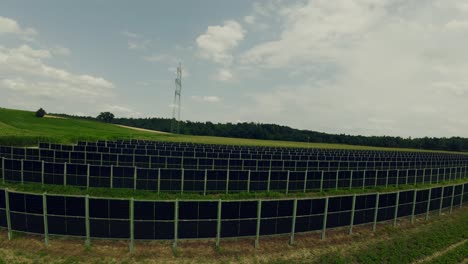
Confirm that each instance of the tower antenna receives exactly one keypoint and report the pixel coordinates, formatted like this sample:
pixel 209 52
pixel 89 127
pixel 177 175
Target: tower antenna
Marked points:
pixel 175 123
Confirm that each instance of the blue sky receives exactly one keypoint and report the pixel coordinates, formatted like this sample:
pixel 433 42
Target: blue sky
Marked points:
pixel 360 67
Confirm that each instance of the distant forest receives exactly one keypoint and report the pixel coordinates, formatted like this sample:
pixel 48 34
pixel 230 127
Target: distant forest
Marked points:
pixel 277 132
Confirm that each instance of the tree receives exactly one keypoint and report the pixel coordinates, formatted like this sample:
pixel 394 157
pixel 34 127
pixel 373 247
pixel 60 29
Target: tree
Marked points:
pixel 107 117
pixel 40 113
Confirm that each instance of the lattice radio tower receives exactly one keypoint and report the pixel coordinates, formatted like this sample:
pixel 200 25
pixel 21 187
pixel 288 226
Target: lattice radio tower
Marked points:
pixel 175 124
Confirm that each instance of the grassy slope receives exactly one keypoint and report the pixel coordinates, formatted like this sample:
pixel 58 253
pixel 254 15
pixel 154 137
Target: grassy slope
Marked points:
pixel 22 128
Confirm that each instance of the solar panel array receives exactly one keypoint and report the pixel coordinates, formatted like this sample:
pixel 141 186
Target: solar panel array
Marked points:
pixel 195 168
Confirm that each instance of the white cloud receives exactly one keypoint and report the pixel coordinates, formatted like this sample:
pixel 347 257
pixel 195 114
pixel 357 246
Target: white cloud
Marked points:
pixel 223 75
pixel 120 111
pixel 457 25
pixel 162 58
pixel 317 29
pixel 10 26
pixel 367 67
pixel 206 98
pixel 30 77
pixel 249 19
pixel 136 41
pixel 217 42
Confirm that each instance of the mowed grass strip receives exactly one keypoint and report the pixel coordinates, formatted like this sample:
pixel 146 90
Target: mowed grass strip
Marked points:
pixel 154 195
pixel 456 255
pixel 408 247
pixel 22 128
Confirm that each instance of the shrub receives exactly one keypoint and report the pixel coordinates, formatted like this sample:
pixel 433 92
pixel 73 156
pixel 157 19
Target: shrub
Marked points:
pixel 40 113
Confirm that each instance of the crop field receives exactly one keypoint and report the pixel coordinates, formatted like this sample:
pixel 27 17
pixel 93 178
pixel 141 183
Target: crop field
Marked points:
pixel 96 192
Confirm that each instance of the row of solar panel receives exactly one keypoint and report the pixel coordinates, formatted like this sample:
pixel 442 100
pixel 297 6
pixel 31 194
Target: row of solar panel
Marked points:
pixel 195 154
pixel 167 220
pixel 254 149
pixel 326 152
pixel 217 181
pixel 214 163
pixel 242 148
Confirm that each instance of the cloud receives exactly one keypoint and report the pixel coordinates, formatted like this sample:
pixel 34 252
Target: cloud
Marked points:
pixel 206 98
pixel 120 111
pixel 317 29
pixel 457 25
pixel 162 58
pixel 366 67
pixel 218 41
pixel 223 75
pixel 10 26
pixel 29 76
pixel 249 19
pixel 136 41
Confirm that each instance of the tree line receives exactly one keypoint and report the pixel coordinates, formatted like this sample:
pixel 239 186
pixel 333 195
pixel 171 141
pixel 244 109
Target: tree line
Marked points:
pixel 278 132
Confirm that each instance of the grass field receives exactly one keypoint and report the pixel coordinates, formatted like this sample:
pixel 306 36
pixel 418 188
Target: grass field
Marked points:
pixel 22 128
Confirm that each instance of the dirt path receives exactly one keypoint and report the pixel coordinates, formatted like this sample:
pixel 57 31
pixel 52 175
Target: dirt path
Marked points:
pixel 440 253
pixel 143 129
pixel 56 117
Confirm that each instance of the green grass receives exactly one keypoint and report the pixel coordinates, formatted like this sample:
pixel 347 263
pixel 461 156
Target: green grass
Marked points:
pixel 151 195
pixel 456 255
pixel 406 247
pixel 22 128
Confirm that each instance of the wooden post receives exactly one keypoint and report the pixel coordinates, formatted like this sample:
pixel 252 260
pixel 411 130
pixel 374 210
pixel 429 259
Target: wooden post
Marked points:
pixel 88 239
pixel 268 181
pixel 428 204
pixel 135 174
pixel 293 223
pixel 462 193
pixel 44 212
pixel 248 181
pixel 396 208
pixel 218 223
pixel 453 196
pixel 321 181
pixel 336 180
pixel 176 223
pixel 7 212
pixel 131 246
pixel 441 200
pixel 259 217
pixel 352 215
pixel 414 205
pixel 325 215
pixel 305 181
pixel 376 212
pixel 204 183
pixel 87 176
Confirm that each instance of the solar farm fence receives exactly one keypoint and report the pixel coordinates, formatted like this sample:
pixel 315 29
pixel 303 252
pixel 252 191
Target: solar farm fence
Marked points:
pixel 133 219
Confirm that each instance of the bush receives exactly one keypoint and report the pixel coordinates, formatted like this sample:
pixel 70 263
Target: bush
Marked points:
pixel 40 113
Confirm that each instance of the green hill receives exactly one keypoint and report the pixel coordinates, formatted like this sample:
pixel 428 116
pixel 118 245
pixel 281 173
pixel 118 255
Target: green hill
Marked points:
pixel 23 128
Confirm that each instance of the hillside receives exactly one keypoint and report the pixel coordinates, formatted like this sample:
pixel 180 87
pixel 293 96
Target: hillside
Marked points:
pixel 22 128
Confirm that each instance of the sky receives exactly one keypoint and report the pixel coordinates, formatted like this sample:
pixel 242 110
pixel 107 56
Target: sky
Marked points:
pixel 369 67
